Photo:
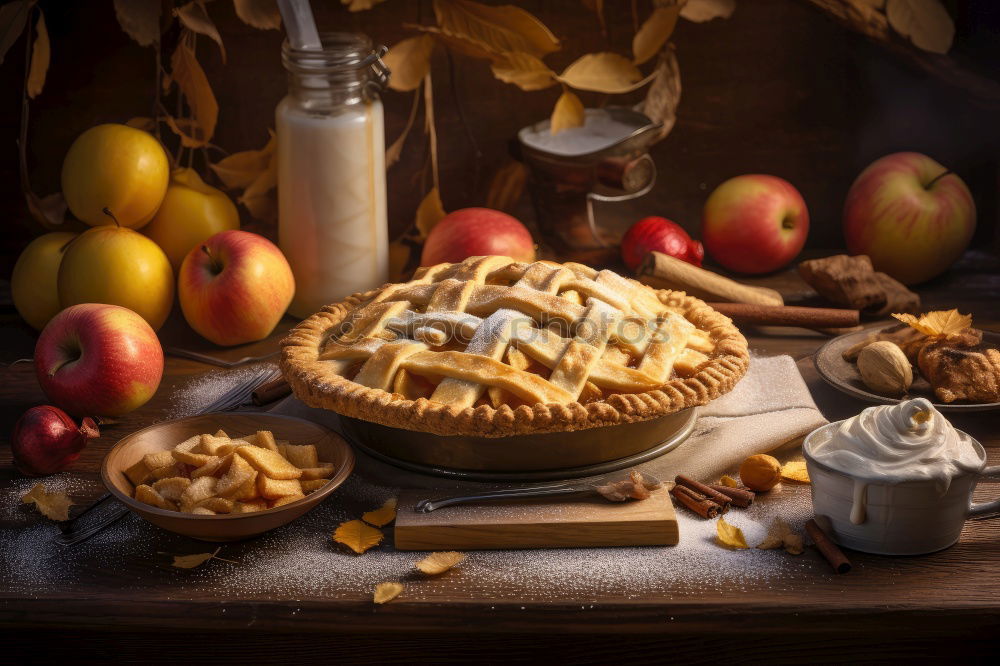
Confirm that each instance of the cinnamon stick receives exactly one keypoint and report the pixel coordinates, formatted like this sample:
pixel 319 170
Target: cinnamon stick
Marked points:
pixel 741 497
pixel 661 271
pixel 276 389
pixel 828 548
pixel 712 494
pixel 789 315
pixel 698 503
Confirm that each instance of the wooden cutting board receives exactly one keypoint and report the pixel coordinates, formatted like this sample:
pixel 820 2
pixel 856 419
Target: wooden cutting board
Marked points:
pixel 538 523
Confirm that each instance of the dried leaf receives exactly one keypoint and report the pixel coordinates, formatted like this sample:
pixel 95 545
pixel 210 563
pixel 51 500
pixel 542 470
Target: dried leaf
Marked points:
pixel 387 592
pixel 567 113
pixel 499 30
pixel 50 211
pixel 195 18
pixel 260 14
pixel 143 123
pixel 523 70
pixel 256 196
pixel 938 324
pixel 393 152
pixel 54 506
pixel 507 186
pixel 795 471
pixel 140 19
pixel 383 515
pixel 700 11
pixel 729 536
pixel 360 5
pixel 191 79
pixel 40 53
pixel 780 535
pixel 263 207
pixel 195 560
pixel 728 481
pixel 429 212
pixel 925 22
pixel 13 19
pixel 604 72
pixel 358 536
pixel 409 61
pixel 664 95
pixel 431 128
pixel 438 563
pixel 240 170
pixel 654 33
pixel 455 43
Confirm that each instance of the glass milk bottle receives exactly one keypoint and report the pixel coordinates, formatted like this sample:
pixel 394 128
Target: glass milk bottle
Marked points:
pixel 331 171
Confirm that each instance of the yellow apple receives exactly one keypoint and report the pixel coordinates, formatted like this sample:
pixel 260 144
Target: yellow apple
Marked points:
pixel 33 282
pixel 191 212
pixel 116 167
pixel 118 266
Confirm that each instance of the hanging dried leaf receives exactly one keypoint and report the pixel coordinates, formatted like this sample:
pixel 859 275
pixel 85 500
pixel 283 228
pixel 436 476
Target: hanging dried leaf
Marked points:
pixel 499 30
pixel 360 5
pixel 195 18
pixel 260 14
pixel 385 592
pixel 795 471
pixel 383 515
pixel 429 212
pixel 191 79
pixel 654 33
pixel 409 61
pixel 567 113
pixel 507 186
pixel 140 19
pixel 13 19
pixel 240 170
pixel 256 197
pixel 145 123
pixel 438 563
pixel 523 70
pixel 263 207
pixel 729 536
pixel 664 95
pixel 195 560
pixel 393 152
pixel 40 53
pixel 603 72
pixel 54 506
pixel 50 211
pixel 457 44
pixel 699 11
pixel 358 536
pixel 925 22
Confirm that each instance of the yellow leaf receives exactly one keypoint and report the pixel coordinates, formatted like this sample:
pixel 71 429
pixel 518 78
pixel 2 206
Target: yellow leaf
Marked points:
pixel 438 563
pixel 260 14
pixel 925 22
pixel 359 5
pixel 654 33
pixel 409 61
pixel 699 11
pixel 358 536
pixel 383 515
pixel 263 207
pixel 264 182
pixel 54 506
pixel 240 170
pixel 603 72
pixel 728 481
pixel 795 471
pixel 145 123
pixel 387 592
pixel 729 536
pixel 507 186
pixel 393 152
pixel 140 19
pixel 523 70
pixel 195 18
pixel 568 113
pixel 40 53
pixel 429 212
pixel 497 29
pixel 195 560
pixel 191 79
pixel 939 323
pixel 664 94
pixel 13 18
pixel 455 43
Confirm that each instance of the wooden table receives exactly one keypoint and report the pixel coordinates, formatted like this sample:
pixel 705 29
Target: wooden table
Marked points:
pixel 919 608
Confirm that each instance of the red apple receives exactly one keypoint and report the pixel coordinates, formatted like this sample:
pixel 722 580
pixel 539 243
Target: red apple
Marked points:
pixel 662 235
pixel 911 215
pixel 101 359
pixel 754 224
pixel 235 287
pixel 473 232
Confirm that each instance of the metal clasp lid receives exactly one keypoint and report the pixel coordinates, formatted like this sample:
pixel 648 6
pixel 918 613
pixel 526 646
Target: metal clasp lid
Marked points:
pixel 380 70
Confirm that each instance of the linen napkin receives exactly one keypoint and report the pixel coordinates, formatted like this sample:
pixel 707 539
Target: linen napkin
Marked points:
pixel 769 408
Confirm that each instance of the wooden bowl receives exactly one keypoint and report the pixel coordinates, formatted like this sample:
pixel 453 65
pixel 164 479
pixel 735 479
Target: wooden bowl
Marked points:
pixel 224 527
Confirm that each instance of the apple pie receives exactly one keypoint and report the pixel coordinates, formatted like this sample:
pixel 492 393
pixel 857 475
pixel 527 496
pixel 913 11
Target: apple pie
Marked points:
pixel 495 347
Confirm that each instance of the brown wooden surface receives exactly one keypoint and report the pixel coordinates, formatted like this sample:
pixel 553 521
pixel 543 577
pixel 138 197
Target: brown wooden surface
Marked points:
pixel 920 608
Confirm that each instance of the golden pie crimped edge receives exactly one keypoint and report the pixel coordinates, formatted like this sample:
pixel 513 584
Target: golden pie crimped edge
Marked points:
pixel 315 383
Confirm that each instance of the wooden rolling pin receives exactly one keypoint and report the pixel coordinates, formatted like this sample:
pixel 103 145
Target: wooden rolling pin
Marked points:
pixel 661 271
pixel 789 315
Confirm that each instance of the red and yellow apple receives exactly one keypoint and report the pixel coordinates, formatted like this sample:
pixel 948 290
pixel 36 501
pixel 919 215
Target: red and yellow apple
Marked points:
pixel 33 284
pixel 116 167
pixel 118 266
pixel 96 359
pixel 754 223
pixel 472 232
pixel 191 212
pixel 911 215
pixel 235 287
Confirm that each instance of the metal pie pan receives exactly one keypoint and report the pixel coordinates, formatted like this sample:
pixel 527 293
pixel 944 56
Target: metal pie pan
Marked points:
pixel 554 455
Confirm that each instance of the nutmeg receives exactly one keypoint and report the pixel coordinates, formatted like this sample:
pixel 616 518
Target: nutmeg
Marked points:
pixel 885 369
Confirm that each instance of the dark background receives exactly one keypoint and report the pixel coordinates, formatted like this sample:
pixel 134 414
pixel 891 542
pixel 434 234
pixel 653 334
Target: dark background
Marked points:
pixel 777 88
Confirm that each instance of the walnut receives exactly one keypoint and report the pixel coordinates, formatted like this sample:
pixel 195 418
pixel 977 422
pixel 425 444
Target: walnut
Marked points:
pixel 885 369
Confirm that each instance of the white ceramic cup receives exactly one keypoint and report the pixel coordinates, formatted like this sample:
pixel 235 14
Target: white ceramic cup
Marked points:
pixel 908 518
